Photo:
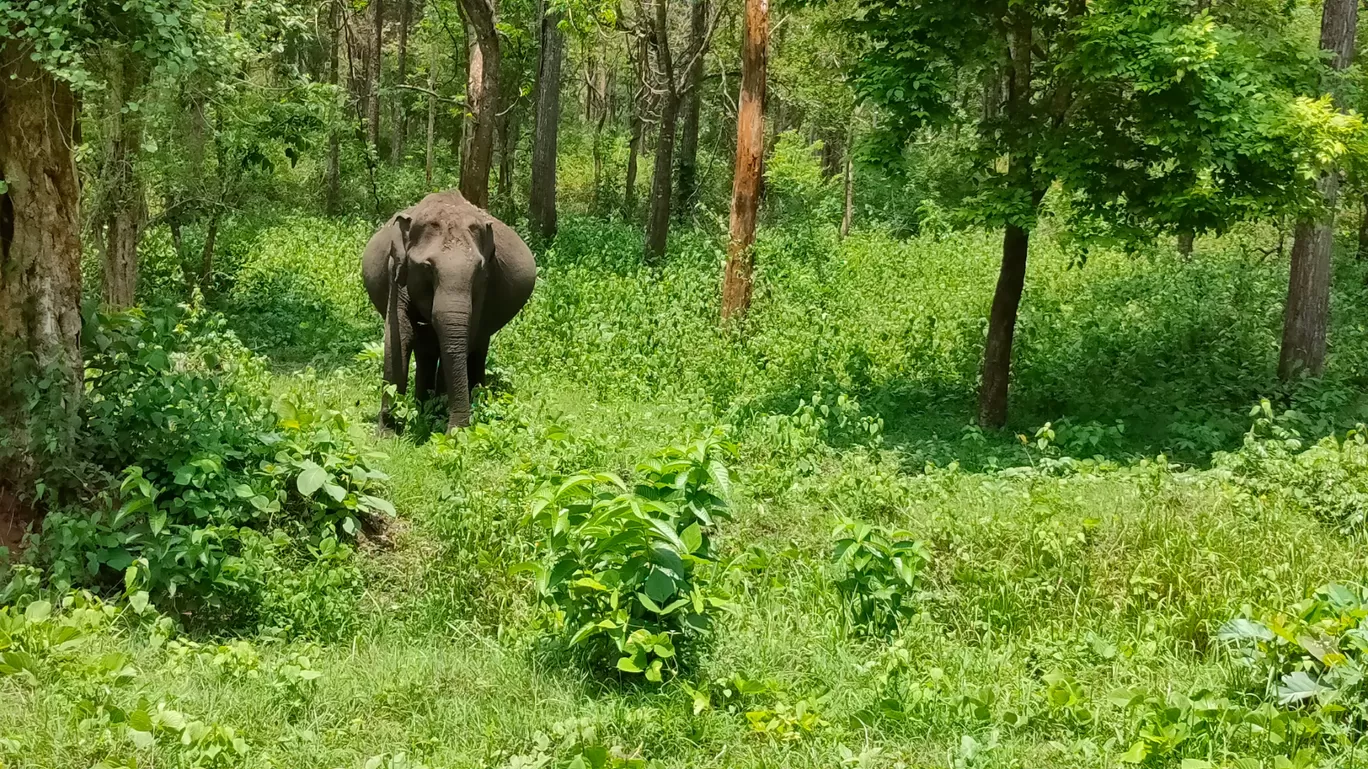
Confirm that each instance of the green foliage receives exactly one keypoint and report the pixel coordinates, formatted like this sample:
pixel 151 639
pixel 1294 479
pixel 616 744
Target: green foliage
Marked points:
pixel 627 568
pixel 879 575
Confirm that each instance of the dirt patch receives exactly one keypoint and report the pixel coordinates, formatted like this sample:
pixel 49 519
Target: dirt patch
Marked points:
pixel 15 518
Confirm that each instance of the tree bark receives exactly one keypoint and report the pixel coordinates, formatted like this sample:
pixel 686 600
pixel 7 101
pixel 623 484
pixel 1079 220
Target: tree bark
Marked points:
pixel 542 198
pixel 400 127
pixel 432 115
pixel 376 71
pixel 1185 241
pixel 482 94
pixel 125 203
pixel 997 355
pixel 750 160
pixel 40 265
pixel 848 216
pixel 509 131
pixel 332 175
pixel 692 106
pixel 638 130
pixel 1307 313
pixel 658 220
pixel 997 352
pixel 1363 232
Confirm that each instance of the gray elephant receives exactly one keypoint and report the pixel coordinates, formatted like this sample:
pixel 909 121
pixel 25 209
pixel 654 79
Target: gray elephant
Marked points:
pixel 445 275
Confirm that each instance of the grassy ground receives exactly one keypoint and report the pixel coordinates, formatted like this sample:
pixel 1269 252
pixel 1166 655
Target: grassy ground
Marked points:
pixel 1054 583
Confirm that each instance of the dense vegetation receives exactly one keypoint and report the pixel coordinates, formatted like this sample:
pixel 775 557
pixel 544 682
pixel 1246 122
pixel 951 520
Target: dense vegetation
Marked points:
pixel 795 538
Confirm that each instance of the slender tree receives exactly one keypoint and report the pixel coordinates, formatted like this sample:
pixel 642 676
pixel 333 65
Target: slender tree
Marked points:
pixel 432 114
pixel 332 175
pixel 1307 312
pixel 692 107
pixel 750 159
pixel 125 203
pixel 542 199
pixel 400 126
pixel 377 53
pixel 482 94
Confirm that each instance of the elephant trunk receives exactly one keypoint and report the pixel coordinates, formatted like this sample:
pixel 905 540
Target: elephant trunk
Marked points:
pixel 452 324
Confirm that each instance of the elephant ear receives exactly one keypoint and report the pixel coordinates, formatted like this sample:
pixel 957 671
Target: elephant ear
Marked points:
pixel 484 239
pixel 399 260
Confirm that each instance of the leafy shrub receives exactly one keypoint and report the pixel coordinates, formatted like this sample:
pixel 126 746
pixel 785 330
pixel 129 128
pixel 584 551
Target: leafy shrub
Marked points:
pixel 626 568
pixel 878 575
pixel 573 744
pixel 176 407
pixel 1329 479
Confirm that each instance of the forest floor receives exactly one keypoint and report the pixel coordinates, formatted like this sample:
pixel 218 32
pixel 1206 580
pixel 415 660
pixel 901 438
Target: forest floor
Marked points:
pixel 1081 570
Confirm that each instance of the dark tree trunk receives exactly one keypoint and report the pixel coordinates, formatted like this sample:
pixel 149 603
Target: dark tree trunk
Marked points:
pixel 997 355
pixel 1185 240
pixel 832 155
pixel 40 265
pixel 509 131
pixel 400 127
pixel 376 71
pixel 848 217
pixel 1307 315
pixel 542 199
pixel 750 160
pixel 482 95
pixel 1363 232
pixel 332 175
pixel 638 133
pixel 691 107
pixel 658 220
pixel 126 205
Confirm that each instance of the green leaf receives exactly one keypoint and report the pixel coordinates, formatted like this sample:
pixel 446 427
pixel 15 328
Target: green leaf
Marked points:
pixel 629 665
pixel 38 611
pixel 138 601
pixel 692 537
pixel 311 479
pixel 335 491
pixel 659 586
pixel 1194 763
pixel 1136 754
pixel 1297 687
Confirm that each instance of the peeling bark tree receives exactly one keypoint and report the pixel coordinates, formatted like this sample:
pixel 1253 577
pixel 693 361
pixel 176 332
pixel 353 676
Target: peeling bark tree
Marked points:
pixel 40 260
pixel 542 199
pixel 691 108
pixel 1307 313
pixel 125 202
pixel 482 95
pixel 750 159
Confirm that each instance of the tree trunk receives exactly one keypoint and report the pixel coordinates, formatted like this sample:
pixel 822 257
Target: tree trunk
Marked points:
pixel 400 128
pixel 125 203
pixel 832 154
pixel 629 186
pixel 1363 232
pixel 482 94
pixel 432 115
pixel 997 352
pixel 509 132
pixel 997 355
pixel 1307 314
pixel 1185 240
pixel 40 266
pixel 658 220
pixel 542 199
pixel 332 175
pixel 848 217
pixel 692 106
pixel 750 160
pixel 376 71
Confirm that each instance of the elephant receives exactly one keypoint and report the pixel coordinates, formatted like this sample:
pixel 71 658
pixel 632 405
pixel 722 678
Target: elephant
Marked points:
pixel 445 275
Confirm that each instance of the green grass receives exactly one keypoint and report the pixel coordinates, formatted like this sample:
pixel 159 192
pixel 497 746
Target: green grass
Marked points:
pixel 1110 572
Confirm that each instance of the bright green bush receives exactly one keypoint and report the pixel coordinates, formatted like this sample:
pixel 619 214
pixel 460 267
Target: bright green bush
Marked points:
pixel 879 574
pixel 626 569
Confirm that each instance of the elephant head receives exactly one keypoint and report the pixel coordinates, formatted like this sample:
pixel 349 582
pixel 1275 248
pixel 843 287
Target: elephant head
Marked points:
pixel 444 262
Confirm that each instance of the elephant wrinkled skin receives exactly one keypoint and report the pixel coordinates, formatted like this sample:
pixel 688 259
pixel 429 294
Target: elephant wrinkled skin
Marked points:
pixel 445 275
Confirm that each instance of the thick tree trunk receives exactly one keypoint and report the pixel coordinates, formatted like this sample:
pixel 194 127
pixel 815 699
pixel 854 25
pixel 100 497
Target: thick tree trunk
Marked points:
pixel 1185 241
pixel 750 160
pixel 848 217
pixel 40 266
pixel 1307 314
pixel 376 71
pixel 124 198
pixel 542 199
pixel 832 154
pixel 400 128
pixel 997 355
pixel 332 175
pixel 691 107
pixel 482 94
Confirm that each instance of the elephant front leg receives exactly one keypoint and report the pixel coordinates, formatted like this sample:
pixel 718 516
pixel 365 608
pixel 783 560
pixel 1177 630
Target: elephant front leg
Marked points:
pixel 398 347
